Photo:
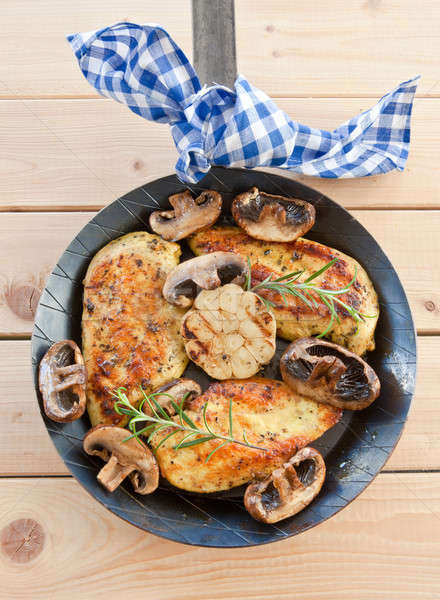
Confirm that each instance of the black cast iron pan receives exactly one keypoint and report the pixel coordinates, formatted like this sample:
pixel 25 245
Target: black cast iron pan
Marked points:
pixel 355 450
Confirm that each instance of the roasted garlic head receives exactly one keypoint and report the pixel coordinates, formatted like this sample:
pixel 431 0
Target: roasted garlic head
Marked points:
pixel 229 332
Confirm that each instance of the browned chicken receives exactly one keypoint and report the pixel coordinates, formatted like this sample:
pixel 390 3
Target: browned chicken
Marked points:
pixel 272 417
pixel 296 320
pixel 130 332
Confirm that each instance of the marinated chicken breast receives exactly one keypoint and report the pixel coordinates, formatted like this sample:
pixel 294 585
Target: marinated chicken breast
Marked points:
pixel 296 320
pixel 270 414
pixel 130 333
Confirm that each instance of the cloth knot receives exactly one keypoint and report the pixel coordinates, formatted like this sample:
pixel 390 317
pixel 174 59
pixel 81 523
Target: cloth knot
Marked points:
pixel 141 66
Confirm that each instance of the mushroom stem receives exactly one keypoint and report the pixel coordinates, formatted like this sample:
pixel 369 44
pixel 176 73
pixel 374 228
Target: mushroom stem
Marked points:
pixel 77 376
pixel 329 367
pixel 113 473
pixel 62 371
pixel 285 482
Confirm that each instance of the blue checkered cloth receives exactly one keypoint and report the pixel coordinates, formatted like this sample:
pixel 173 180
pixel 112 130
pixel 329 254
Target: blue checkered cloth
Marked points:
pixel 141 66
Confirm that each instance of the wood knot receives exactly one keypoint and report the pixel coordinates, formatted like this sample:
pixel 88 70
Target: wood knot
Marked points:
pixel 22 540
pixel 429 305
pixel 23 299
pixel 137 165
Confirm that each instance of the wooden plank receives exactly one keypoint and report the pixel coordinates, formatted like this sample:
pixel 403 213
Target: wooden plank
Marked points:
pixel 76 154
pixel 410 238
pixel 385 544
pixel 39 60
pixel 345 47
pixel 288 49
pixel 22 432
pixel 32 242
pixel 31 245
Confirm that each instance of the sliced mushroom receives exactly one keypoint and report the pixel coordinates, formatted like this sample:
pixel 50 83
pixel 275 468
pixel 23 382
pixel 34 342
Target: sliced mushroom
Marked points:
pixel 272 218
pixel 205 272
pixel 329 373
pixel 288 489
pixel 62 382
pixel 178 390
pixel 131 458
pixel 188 216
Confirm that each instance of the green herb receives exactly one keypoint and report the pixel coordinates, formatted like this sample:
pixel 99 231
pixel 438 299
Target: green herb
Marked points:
pixel 160 420
pixel 289 285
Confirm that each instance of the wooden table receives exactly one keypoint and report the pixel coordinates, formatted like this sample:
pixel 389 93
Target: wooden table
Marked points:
pixel 65 153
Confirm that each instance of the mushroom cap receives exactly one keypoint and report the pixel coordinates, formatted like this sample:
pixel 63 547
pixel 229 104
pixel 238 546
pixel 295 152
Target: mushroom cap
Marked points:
pixel 288 490
pixel 205 272
pixel 272 218
pixel 329 373
pixel 131 458
pixel 180 389
pixel 62 382
pixel 188 216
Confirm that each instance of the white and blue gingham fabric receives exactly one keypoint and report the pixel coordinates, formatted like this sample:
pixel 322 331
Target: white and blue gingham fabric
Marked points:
pixel 141 66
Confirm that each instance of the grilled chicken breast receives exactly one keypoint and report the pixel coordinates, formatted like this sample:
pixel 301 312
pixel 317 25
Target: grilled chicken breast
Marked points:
pixel 130 333
pixel 296 320
pixel 270 414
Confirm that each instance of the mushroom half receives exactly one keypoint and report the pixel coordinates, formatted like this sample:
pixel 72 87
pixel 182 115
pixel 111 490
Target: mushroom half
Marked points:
pixel 188 216
pixel 62 382
pixel 129 458
pixel 178 391
pixel 288 489
pixel 329 373
pixel 272 218
pixel 205 272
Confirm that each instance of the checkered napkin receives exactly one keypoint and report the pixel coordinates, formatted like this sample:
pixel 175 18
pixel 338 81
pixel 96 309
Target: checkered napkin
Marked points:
pixel 141 66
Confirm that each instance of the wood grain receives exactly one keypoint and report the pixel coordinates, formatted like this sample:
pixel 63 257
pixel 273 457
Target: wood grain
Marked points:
pixel 99 556
pixel 340 48
pixel 345 47
pixel 32 243
pixel 23 434
pixel 82 154
pixel 41 63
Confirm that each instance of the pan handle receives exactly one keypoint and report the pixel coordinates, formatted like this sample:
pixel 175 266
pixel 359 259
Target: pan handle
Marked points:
pixel 214 41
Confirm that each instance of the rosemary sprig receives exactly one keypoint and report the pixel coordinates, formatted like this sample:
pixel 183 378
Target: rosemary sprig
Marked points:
pixel 160 420
pixel 289 285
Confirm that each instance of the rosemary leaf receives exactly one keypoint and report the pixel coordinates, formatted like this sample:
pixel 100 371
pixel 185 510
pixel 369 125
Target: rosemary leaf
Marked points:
pixel 205 406
pixel 321 271
pixel 201 440
pixel 165 438
pixel 215 450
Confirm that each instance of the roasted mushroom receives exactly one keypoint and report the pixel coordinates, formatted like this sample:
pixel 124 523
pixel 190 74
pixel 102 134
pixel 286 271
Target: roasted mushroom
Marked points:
pixel 203 272
pixel 131 458
pixel 188 216
pixel 229 332
pixel 288 489
pixel 329 373
pixel 178 390
pixel 62 382
pixel 272 218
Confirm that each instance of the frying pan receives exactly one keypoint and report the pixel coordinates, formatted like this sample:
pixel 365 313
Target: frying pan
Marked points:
pixel 355 450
